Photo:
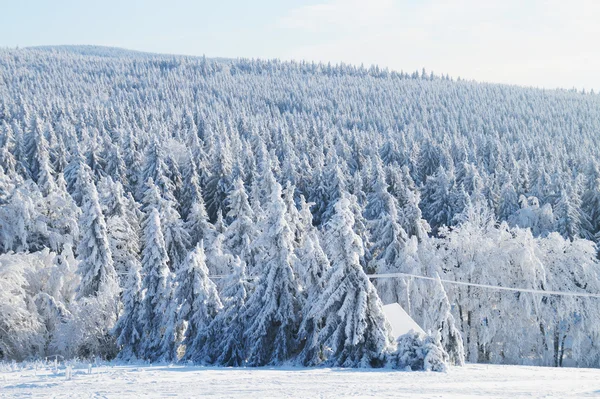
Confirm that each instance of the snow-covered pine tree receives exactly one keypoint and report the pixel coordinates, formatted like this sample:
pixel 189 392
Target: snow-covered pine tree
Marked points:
pixel 331 186
pixel 568 215
pixel 156 169
pixel 354 330
pixel 438 209
pixel 191 192
pixel 123 230
pixel 441 321
pixel 312 268
pixel 509 201
pixel 389 249
pixel 175 234
pixel 177 238
pixel 590 199
pixel 273 308
pixel 156 289
pixel 96 267
pixel 98 293
pixel 219 182
pixel 198 302
pixel 197 224
pixel 410 216
pixel 128 329
pixel 241 231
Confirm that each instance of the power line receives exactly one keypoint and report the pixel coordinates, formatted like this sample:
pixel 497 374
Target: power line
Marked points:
pixel 463 283
pixel 494 287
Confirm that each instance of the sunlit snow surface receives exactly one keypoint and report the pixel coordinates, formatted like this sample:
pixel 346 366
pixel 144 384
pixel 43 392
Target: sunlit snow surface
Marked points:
pixel 125 381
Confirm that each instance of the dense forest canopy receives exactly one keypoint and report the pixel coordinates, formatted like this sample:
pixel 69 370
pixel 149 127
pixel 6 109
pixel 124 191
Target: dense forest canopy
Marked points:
pixel 131 184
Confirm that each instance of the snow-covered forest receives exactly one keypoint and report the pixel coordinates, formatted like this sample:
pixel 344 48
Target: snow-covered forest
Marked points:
pixel 228 212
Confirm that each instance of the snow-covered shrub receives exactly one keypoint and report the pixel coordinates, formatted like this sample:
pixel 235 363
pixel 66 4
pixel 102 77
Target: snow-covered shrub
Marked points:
pixel 419 352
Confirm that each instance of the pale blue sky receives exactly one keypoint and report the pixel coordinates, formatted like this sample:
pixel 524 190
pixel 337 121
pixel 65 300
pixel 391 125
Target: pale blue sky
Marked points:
pixel 545 43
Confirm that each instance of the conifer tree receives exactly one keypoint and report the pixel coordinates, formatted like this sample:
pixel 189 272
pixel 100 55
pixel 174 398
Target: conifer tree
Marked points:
pixel 313 265
pixel 225 343
pixel 197 224
pixel 355 330
pixel 442 322
pixel 273 308
pixel 156 288
pixel 241 231
pixel 96 267
pixel 191 192
pixel 438 209
pixel 128 329
pixel 199 303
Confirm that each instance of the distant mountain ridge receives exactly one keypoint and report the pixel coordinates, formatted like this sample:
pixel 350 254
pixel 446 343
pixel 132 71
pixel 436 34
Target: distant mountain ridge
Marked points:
pixel 112 52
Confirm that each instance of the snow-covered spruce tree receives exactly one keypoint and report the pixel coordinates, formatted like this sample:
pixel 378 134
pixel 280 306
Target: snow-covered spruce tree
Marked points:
pixel 361 229
pixel 191 192
pixel 441 321
pixel 219 261
pixel 590 200
pixel 96 267
pixel 71 173
pixel 45 178
pixel 133 160
pixel 115 165
pixel 389 242
pixel 354 332
pixel 156 289
pixel 438 208
pixel 292 214
pixel 219 181
pixel 177 239
pixel 197 224
pixel 225 343
pixel 94 157
pixel 312 268
pixel 569 217
pixel 34 145
pixel 331 186
pixel 198 304
pixel 98 292
pixel 273 308
pixel 410 216
pixel 263 184
pixel 128 329
pixel 123 230
pixel 174 175
pixel 156 169
pixel 241 231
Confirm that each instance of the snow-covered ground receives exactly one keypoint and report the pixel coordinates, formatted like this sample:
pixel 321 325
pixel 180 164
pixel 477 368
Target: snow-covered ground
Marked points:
pixel 124 381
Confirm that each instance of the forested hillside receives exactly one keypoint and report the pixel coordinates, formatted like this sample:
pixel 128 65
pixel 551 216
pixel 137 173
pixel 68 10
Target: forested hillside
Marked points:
pixel 228 212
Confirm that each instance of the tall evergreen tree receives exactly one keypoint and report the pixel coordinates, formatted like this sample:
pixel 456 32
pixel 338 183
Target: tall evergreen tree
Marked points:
pixel 156 288
pixel 241 231
pixel 225 343
pixel 355 330
pixel 96 267
pixel 199 303
pixel 273 308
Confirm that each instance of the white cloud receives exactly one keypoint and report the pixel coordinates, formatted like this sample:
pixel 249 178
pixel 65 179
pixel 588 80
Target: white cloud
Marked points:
pixel 548 43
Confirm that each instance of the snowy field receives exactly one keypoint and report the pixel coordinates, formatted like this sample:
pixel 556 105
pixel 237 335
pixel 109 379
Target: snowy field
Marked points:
pixel 471 381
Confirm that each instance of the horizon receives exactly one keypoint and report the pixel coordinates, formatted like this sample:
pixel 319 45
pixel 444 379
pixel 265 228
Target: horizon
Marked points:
pixel 542 44
pixel 63 47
